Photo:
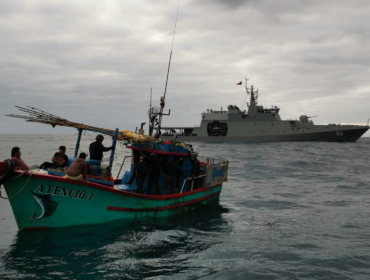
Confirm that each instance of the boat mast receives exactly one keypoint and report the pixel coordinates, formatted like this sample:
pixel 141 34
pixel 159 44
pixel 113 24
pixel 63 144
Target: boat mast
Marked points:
pixel 163 98
pixel 150 114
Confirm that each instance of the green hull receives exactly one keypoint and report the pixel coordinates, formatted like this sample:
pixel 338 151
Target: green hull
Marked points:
pixel 43 201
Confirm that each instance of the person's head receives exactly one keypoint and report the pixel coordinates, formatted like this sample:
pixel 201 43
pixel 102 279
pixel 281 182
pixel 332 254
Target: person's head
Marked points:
pixel 82 155
pixel 194 156
pixel 153 156
pixel 16 152
pixel 142 157
pixel 99 138
pixel 62 149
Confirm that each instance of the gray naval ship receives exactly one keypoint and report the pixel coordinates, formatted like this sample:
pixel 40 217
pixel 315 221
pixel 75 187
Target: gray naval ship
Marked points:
pixel 260 124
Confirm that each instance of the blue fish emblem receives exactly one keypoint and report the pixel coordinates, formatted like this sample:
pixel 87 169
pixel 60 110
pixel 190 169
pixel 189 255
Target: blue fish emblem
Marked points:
pixel 47 205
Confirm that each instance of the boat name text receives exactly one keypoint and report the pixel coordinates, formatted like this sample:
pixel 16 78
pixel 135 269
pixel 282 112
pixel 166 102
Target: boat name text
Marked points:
pixel 60 191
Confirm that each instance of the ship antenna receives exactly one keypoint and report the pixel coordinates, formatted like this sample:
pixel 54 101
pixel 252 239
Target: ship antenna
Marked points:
pixel 168 72
pixel 246 89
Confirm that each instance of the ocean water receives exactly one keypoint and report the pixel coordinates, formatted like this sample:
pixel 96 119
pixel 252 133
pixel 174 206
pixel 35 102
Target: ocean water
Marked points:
pixel 288 211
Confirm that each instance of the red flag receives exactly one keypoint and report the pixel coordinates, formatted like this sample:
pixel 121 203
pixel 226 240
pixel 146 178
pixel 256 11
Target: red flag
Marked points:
pixel 238 84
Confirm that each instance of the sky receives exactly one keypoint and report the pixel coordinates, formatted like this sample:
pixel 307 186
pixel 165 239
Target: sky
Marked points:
pixel 96 62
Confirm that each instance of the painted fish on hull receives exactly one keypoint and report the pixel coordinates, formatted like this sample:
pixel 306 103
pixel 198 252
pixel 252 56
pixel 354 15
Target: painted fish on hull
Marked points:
pixel 47 205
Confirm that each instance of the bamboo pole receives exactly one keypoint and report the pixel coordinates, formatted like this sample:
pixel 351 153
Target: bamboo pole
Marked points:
pixel 40 116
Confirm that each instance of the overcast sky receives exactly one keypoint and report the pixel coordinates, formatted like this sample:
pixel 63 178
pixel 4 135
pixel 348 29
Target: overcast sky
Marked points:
pixel 94 62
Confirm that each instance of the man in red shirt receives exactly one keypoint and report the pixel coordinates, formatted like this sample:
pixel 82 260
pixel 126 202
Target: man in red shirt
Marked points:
pixel 78 168
pixel 16 158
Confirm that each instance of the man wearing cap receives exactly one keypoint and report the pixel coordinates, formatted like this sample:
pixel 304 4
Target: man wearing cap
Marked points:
pixel 97 148
pixel 78 168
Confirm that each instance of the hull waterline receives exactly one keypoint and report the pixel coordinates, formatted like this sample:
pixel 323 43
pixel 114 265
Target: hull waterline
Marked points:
pixel 350 135
pixel 44 201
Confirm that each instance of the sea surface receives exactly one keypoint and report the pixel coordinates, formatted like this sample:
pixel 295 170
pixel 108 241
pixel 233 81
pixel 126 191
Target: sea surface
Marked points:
pixel 298 210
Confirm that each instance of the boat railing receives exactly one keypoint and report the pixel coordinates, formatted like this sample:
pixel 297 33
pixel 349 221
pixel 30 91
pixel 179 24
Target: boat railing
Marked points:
pixel 123 162
pixel 192 183
pixel 213 161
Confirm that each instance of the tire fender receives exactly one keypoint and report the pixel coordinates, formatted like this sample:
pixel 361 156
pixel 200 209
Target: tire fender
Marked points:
pixel 9 170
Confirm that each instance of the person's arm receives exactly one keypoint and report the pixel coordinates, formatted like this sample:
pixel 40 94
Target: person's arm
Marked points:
pixel 55 158
pixel 20 164
pixel 182 172
pixel 104 149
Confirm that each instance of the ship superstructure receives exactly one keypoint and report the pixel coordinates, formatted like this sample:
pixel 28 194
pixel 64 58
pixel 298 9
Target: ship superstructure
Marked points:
pixel 260 124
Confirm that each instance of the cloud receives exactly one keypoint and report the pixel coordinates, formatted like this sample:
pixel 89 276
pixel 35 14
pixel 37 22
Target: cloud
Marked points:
pixel 95 62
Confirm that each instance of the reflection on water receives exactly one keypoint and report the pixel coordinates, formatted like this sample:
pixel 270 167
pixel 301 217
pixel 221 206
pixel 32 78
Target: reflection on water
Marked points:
pixel 135 249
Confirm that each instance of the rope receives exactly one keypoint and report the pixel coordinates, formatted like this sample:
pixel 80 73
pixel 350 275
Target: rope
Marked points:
pixel 21 188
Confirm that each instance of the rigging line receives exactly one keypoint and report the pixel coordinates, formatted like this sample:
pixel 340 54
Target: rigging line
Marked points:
pixel 21 188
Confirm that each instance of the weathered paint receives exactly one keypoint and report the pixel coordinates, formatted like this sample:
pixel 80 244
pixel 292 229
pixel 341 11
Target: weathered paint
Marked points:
pixel 80 202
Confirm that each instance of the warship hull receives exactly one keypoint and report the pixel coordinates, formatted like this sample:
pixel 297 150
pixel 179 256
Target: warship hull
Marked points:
pixel 349 135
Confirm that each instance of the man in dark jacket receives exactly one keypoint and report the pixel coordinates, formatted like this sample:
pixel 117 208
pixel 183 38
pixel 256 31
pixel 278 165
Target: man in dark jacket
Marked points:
pixel 154 173
pixel 96 148
pixel 140 171
pixel 171 172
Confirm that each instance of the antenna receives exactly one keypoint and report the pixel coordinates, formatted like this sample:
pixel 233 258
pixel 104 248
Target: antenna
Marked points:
pixel 169 63
pixel 246 89
pixel 150 104
pixel 168 72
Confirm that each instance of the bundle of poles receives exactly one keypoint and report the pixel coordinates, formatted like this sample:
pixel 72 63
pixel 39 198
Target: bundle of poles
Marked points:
pixel 40 116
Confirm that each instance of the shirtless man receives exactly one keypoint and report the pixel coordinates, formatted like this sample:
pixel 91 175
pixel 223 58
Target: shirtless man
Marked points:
pixel 16 158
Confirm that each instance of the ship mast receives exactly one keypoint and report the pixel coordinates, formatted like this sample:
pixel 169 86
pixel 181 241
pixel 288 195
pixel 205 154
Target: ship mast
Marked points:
pixel 254 94
pixel 163 98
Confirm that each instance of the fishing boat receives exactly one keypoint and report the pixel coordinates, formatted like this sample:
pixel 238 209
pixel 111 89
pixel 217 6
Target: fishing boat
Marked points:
pixel 46 199
pixel 260 124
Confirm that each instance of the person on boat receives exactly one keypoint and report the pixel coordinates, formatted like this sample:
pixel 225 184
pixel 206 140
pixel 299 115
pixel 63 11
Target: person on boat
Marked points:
pixel 195 171
pixel 59 159
pixel 97 148
pixel 16 158
pixel 154 173
pixel 139 173
pixel 171 172
pixel 78 168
